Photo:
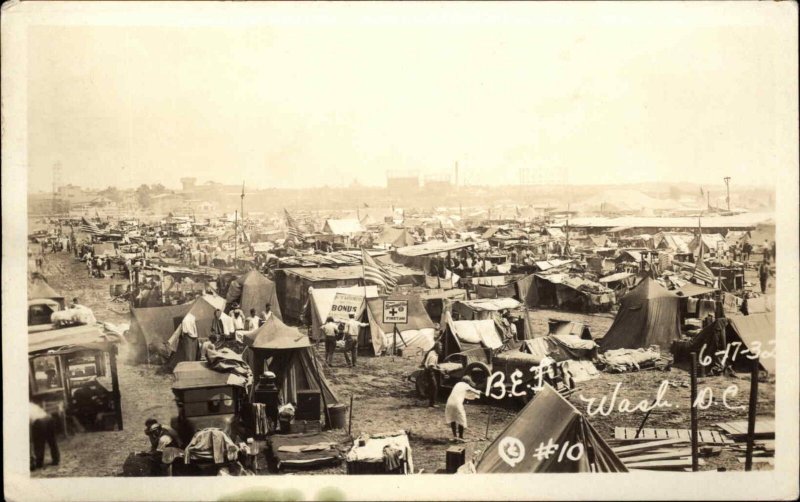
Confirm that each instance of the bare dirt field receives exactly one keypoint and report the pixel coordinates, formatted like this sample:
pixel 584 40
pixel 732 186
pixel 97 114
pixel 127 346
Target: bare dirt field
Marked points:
pixel 384 400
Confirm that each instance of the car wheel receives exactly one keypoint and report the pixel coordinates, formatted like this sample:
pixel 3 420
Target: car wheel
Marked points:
pixel 479 373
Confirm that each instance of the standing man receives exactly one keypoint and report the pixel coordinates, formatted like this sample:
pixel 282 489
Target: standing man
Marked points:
pixel 329 331
pixel 43 431
pixel 429 365
pixel 252 322
pixel 351 328
pixel 265 315
pixel 763 274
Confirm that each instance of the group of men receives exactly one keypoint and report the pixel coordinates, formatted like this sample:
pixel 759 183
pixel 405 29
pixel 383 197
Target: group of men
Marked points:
pixel 347 330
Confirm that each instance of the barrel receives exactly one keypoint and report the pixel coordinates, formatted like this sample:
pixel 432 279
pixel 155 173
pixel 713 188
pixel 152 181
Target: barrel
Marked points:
pixel 338 416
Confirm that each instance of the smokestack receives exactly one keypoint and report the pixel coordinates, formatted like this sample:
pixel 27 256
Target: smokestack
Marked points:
pixel 456 180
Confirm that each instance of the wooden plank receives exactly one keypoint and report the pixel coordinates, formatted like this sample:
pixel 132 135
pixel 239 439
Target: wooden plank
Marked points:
pixel 622 450
pixel 663 434
pixel 619 432
pixel 664 464
pixel 674 433
pixel 657 456
pixel 758 460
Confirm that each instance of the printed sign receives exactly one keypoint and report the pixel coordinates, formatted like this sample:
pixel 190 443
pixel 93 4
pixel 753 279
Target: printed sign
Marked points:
pixel 344 305
pixel 395 311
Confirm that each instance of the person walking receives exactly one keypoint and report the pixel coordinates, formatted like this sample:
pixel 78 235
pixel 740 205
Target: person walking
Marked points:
pixel 351 329
pixel 43 430
pixel 454 412
pixel 329 331
pixel 763 275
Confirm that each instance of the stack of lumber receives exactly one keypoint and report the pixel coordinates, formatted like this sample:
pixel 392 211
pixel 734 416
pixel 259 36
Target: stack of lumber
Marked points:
pixel 763 443
pixel 661 454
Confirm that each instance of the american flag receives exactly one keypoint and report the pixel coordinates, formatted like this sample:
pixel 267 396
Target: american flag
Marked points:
pixel 292 228
pixel 88 227
pixel 701 271
pixel 376 274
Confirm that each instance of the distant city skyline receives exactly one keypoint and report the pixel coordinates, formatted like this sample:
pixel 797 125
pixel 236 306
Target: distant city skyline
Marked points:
pixel 621 99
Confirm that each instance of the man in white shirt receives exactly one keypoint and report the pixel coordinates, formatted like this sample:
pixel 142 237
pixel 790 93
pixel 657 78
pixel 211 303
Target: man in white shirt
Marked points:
pixel 252 322
pixel 266 314
pixel 429 365
pixel 351 329
pixel 329 331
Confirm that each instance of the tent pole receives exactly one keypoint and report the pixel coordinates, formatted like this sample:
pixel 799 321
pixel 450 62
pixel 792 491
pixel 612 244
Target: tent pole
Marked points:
pixel 693 408
pixel 751 416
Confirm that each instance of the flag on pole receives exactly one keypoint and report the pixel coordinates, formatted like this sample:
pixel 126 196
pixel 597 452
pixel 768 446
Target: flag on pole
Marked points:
pixel 242 190
pixel 292 228
pixel 701 271
pixel 88 227
pixel 376 274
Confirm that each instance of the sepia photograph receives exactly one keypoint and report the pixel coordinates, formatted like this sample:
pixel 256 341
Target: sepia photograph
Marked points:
pixel 271 246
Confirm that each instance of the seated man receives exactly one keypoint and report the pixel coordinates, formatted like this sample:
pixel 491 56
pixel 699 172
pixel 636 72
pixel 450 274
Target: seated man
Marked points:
pixel 161 437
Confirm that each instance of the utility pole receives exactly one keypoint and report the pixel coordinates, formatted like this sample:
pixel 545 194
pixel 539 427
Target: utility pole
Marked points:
pixel 728 189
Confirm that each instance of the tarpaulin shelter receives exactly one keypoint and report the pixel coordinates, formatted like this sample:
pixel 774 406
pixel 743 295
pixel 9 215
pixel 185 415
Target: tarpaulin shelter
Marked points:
pixel 417 333
pixel 550 417
pixel 293 283
pixel 287 352
pixel 38 289
pixel 252 290
pixel 648 315
pixel 484 308
pixel 337 303
pixel 460 336
pixel 564 291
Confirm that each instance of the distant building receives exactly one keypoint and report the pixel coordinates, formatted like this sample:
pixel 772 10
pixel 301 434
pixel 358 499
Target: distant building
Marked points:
pixel 402 181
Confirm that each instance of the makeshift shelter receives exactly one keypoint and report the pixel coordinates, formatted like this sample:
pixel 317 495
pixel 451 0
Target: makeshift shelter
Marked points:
pixel 104 249
pixel 337 303
pixel 563 290
pixel 293 283
pixel 551 418
pixel 484 308
pixel 252 291
pixel 417 333
pixel 346 227
pixel 461 336
pixel 288 353
pixel 648 315
pixel 395 237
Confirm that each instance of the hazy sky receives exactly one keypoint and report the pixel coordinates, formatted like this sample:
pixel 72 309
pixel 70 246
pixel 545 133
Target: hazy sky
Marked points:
pixel 599 99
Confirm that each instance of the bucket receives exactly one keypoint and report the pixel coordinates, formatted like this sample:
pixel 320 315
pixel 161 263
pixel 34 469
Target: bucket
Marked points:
pixel 338 416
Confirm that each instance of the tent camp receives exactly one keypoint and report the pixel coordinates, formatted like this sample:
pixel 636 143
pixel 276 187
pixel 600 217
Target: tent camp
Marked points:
pixel 648 315
pixel 550 417
pixel 252 290
pixel 288 353
pixel 293 283
pixel 417 333
pixel 337 303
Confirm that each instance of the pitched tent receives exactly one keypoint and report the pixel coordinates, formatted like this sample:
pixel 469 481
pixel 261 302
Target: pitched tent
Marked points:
pixel 152 327
pixel 288 353
pixel 418 333
pixel 756 332
pixel 648 315
pixel 38 289
pixel 551 417
pixel 252 290
pixel 395 237
pixel 337 303
pixel 461 336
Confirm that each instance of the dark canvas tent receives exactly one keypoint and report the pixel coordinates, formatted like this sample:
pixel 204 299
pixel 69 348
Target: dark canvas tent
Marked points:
pixel 551 417
pixel 756 332
pixel 648 315
pixel 39 289
pixel 288 353
pixel 252 290
pixel 151 327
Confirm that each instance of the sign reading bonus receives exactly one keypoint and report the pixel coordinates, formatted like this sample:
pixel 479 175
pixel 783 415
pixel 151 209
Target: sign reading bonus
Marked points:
pixel 344 305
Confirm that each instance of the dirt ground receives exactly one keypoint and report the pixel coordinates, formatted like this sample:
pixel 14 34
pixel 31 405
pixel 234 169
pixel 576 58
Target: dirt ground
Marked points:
pixel 384 400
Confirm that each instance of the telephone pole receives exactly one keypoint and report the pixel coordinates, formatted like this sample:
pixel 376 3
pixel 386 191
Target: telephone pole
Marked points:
pixel 728 191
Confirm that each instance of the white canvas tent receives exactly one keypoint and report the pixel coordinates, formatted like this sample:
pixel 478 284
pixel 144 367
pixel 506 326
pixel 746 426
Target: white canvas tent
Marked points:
pixel 346 300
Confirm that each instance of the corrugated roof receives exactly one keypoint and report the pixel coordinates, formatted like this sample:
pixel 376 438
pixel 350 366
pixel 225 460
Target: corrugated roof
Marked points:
pixel 326 273
pixel 432 247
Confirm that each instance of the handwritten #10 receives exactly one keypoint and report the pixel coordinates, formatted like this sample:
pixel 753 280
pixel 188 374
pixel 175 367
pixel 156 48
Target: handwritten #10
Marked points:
pixel 512 451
